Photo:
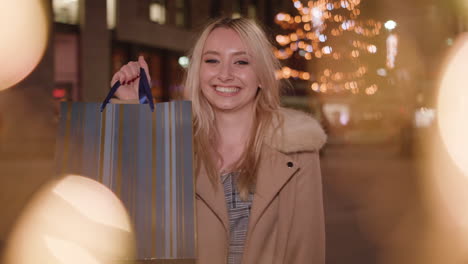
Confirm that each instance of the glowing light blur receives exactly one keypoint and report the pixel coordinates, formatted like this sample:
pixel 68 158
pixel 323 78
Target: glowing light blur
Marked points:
pixel 184 61
pixel 24 29
pixel 371 90
pixel 392 50
pixel 71 190
pixel 390 25
pixel 382 72
pixel 453 106
pixel 327 49
pixel 372 48
pixel 67 12
pixel 297 4
pixel 423 117
pixel 446 168
pixel 315 87
pixel 157 13
pixel 72 220
pixel 322 38
pixel 449 41
pixel 62 250
pixel 337 114
pixel 111 14
pixel 280 16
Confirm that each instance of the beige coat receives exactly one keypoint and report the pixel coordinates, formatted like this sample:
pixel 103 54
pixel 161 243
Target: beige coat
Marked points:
pixel 286 224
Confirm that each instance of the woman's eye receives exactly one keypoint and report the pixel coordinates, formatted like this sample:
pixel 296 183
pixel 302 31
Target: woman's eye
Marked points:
pixel 242 62
pixel 211 61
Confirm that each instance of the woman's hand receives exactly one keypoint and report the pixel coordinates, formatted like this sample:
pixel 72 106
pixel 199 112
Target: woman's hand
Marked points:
pixel 129 77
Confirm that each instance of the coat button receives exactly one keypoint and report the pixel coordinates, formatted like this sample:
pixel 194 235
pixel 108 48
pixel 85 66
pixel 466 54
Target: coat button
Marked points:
pixel 290 164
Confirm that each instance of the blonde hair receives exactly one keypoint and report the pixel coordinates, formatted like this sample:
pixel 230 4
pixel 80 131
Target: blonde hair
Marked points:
pixel 266 104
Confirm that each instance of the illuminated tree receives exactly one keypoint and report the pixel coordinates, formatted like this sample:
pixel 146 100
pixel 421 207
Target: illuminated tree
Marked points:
pixel 344 48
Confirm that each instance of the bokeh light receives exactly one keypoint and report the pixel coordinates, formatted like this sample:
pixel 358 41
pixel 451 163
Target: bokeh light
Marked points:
pixel 445 169
pixel 453 106
pixel 24 30
pixel 390 25
pixel 72 220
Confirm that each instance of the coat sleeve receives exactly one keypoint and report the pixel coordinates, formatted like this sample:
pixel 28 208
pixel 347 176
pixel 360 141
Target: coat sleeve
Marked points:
pixel 307 233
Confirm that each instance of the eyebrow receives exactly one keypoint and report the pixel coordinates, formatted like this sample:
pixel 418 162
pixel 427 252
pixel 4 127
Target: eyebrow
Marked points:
pixel 217 53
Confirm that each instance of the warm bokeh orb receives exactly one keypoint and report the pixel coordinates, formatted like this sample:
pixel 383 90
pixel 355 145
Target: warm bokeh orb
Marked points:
pixel 445 171
pixel 73 220
pixel 453 105
pixel 24 30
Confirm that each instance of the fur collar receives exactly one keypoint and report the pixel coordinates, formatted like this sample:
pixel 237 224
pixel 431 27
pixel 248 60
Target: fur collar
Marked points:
pixel 296 131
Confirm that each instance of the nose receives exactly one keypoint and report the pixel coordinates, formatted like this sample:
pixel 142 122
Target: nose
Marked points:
pixel 225 72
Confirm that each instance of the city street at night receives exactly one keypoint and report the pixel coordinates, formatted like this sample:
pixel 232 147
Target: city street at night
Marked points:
pixel 199 131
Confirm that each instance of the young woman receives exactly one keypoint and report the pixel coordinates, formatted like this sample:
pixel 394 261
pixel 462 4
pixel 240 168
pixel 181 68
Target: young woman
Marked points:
pixel 258 180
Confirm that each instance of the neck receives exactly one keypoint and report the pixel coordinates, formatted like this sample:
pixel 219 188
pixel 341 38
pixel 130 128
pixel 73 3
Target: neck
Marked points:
pixel 233 130
pixel 234 127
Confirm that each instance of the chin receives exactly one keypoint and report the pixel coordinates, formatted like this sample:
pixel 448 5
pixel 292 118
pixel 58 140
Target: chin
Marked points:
pixel 223 107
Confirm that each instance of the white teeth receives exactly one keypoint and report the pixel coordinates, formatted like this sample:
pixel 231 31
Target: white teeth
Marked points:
pixel 227 89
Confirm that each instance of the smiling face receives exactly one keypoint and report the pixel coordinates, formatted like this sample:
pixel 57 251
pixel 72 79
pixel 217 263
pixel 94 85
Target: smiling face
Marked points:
pixel 227 77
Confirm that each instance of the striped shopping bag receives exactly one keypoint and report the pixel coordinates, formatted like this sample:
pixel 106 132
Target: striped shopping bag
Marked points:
pixel 144 155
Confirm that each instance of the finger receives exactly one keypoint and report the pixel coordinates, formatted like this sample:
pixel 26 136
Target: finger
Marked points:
pixel 115 78
pixel 127 72
pixel 144 65
pixel 121 76
pixel 135 69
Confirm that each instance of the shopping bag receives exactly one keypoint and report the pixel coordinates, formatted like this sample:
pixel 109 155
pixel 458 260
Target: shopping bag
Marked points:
pixel 144 155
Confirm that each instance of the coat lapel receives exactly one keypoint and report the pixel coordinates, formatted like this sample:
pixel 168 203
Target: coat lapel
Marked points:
pixel 274 173
pixel 213 198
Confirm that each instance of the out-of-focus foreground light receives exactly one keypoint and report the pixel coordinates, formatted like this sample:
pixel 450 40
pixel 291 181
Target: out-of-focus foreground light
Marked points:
pixel 453 106
pixel 445 170
pixel 73 220
pixel 24 30
pixel 390 25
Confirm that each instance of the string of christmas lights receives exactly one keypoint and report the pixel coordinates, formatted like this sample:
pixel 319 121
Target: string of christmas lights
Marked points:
pixel 329 31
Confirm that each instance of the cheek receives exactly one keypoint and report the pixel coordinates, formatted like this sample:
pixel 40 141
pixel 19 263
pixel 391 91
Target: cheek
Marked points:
pixel 205 88
pixel 206 73
pixel 204 81
pixel 202 75
pixel 251 79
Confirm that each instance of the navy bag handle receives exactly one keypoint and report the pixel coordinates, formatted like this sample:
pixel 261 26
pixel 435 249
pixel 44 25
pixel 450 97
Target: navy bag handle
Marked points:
pixel 144 92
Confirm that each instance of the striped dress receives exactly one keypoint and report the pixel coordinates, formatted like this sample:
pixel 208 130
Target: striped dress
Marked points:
pixel 238 213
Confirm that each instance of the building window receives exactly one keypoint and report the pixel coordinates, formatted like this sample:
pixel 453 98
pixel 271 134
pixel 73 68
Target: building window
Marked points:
pixel 156 68
pixel 236 9
pixel 180 19
pixel 215 10
pixel 252 11
pixel 111 14
pixel 66 11
pixel 180 13
pixel 157 12
pixel 66 66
